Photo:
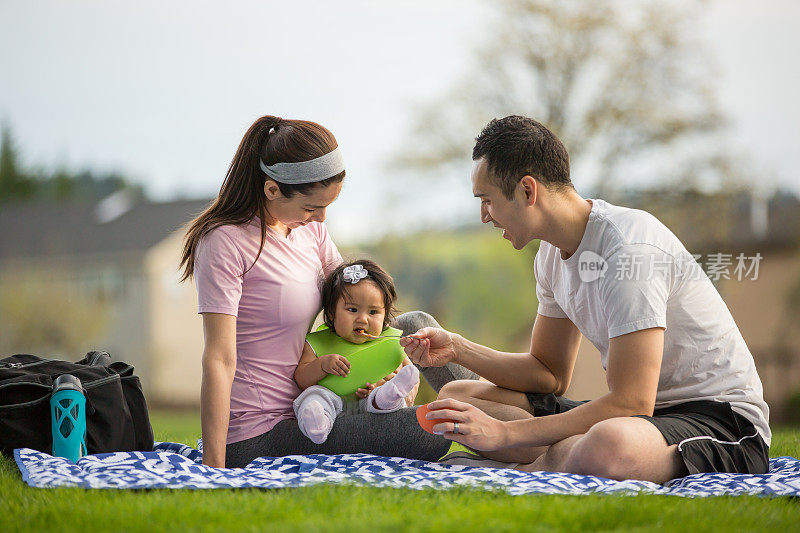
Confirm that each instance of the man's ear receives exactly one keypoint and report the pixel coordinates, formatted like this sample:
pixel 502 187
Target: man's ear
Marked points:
pixel 530 189
pixel 271 190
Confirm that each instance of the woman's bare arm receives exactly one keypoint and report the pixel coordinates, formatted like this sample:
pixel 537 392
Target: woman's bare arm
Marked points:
pixel 219 366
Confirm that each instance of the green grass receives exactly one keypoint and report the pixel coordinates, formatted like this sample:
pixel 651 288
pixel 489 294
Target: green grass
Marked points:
pixel 350 508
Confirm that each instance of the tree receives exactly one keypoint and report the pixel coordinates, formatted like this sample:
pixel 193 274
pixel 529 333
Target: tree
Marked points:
pixel 18 184
pixel 618 81
pixel 14 182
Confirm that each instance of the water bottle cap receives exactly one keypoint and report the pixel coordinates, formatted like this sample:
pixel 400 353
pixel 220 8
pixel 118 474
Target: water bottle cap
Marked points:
pixel 67 381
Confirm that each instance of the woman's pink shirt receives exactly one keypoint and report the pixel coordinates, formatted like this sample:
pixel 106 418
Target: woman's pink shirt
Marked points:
pixel 275 303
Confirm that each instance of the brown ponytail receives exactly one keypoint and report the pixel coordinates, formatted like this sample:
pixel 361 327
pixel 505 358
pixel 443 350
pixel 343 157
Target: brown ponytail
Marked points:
pixel 241 197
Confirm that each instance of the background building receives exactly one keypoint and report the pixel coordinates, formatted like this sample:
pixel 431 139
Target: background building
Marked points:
pixel 81 276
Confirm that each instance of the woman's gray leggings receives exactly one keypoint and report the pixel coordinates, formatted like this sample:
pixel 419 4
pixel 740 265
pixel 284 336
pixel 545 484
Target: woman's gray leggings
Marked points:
pixel 394 434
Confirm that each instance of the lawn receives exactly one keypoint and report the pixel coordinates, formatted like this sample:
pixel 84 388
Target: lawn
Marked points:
pixel 348 508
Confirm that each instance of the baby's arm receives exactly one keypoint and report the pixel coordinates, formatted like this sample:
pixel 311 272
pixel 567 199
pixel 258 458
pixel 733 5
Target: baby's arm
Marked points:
pixel 310 369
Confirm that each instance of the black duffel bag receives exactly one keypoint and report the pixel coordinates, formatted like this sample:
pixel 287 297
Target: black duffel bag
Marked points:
pixel 116 412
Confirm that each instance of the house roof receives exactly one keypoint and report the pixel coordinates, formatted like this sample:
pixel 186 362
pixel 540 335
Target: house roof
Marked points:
pixel 112 225
pixel 723 221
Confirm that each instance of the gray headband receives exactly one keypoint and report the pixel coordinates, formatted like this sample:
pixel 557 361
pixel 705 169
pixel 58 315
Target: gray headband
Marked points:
pixel 318 169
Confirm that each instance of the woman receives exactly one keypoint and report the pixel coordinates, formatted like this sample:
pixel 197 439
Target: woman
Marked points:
pixel 257 255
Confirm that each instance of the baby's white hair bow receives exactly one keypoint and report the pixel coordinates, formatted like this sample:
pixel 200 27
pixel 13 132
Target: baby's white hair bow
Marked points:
pixel 354 273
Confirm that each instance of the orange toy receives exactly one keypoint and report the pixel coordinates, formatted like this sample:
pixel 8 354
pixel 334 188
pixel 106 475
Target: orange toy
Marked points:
pixel 426 424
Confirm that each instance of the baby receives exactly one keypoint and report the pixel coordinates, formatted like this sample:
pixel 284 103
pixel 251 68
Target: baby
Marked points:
pixel 357 304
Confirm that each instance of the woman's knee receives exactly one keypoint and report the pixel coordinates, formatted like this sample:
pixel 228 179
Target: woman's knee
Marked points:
pixel 415 320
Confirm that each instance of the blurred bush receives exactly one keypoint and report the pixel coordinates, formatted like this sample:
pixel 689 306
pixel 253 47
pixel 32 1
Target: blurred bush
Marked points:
pixel 792 411
pixel 43 317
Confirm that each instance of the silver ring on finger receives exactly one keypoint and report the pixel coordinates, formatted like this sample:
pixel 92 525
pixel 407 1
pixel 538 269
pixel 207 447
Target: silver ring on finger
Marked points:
pixel 455 427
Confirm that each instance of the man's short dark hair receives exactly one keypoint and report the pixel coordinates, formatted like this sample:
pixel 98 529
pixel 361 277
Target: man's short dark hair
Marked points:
pixel 517 146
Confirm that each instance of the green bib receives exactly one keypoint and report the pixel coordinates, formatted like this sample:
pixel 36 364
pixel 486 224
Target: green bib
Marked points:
pixel 369 362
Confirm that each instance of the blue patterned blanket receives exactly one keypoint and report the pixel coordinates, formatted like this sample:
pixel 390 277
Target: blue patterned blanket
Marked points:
pixel 177 466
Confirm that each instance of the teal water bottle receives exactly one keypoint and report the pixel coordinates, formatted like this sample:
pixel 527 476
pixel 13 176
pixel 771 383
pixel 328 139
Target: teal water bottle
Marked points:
pixel 68 418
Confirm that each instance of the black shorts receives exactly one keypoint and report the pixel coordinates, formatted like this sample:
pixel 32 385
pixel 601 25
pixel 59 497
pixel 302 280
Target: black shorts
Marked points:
pixel 710 436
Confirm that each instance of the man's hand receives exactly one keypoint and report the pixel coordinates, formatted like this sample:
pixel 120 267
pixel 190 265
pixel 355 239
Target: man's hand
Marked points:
pixel 334 364
pixel 476 429
pixel 430 347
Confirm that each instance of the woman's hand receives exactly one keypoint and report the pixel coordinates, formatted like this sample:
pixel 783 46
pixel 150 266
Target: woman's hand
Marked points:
pixel 430 347
pixel 476 429
pixel 334 364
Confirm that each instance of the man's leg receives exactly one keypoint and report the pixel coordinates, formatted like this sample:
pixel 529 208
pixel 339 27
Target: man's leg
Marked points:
pixel 618 448
pixel 497 402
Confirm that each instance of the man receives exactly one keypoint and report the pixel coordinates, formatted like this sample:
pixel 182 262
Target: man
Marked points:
pixel 684 395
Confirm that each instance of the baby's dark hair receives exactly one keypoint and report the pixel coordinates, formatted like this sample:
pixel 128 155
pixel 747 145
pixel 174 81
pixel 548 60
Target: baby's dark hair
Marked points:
pixel 334 287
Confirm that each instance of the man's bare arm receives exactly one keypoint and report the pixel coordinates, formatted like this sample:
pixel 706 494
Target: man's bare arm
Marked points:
pixel 546 368
pixel 634 365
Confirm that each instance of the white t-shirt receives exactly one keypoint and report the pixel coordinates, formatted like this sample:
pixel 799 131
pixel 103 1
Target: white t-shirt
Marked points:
pixel 629 273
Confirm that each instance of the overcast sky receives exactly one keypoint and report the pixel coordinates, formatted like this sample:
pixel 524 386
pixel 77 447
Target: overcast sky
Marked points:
pixel 163 91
